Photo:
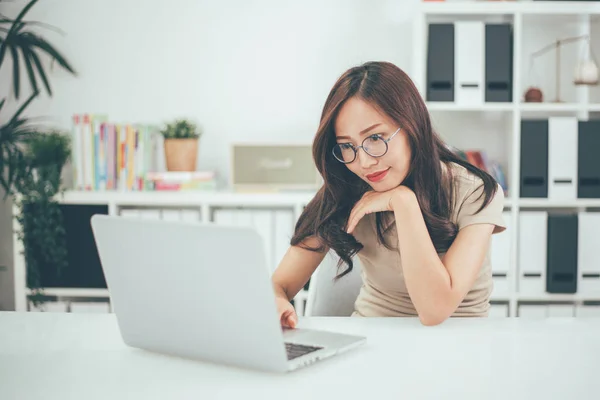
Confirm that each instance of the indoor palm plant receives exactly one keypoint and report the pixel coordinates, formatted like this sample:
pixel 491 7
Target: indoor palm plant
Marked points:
pixel 31 155
pixel 181 145
pixel 20 42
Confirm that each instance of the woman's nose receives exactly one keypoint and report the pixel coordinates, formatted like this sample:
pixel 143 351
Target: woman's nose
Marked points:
pixel 364 159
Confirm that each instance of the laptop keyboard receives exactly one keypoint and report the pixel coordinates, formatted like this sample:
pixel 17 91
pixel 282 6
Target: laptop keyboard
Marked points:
pixel 296 350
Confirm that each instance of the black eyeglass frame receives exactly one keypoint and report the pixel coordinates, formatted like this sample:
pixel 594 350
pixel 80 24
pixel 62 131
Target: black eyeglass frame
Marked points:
pixel 386 141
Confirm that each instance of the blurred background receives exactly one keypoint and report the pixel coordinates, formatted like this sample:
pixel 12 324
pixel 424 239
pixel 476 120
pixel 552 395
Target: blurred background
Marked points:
pixel 206 111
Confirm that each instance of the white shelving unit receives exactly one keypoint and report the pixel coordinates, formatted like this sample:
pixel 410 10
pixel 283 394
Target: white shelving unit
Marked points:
pixel 492 125
pixel 272 214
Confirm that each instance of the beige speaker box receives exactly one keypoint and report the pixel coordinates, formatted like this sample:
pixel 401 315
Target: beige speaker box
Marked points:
pixel 273 167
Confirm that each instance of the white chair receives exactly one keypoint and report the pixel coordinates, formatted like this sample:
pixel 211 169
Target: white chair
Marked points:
pixel 330 297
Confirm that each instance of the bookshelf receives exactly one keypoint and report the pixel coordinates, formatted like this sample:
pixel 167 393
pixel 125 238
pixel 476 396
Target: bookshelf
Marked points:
pixel 534 24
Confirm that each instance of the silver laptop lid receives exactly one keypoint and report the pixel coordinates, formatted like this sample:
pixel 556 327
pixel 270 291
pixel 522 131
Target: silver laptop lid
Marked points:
pixel 190 289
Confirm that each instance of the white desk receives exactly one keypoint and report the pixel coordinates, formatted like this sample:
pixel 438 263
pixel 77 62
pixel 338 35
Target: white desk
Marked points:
pixel 81 356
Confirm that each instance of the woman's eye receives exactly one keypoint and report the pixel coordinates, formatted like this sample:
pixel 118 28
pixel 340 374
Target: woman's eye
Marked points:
pixel 345 145
pixel 376 136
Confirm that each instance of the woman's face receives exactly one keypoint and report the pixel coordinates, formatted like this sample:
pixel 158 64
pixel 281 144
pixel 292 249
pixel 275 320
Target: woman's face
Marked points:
pixel 357 121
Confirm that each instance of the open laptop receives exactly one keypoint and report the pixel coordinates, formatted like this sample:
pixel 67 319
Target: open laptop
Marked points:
pixel 202 291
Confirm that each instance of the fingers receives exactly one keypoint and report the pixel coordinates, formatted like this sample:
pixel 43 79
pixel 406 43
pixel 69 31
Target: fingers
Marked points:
pixel 353 221
pixel 352 217
pixel 289 319
pixel 358 211
pixel 292 321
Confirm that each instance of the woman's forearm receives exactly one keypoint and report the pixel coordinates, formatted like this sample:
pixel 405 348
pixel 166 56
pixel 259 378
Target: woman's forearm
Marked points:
pixel 428 281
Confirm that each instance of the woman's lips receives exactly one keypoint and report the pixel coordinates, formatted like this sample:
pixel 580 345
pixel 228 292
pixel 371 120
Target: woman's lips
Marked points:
pixel 377 176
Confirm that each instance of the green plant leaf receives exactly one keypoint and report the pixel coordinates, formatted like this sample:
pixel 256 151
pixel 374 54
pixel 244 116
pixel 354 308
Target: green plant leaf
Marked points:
pixel 15 25
pixel 32 78
pixel 40 69
pixel 22 108
pixel 19 38
pixel 39 42
pixel 16 71
pixel 12 134
pixel 180 129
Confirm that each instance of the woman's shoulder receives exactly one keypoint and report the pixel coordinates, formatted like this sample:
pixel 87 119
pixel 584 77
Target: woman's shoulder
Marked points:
pixel 461 176
pixel 469 198
pixel 465 183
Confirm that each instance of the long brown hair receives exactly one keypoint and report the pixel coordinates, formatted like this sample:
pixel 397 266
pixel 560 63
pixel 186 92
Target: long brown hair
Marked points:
pixel 387 88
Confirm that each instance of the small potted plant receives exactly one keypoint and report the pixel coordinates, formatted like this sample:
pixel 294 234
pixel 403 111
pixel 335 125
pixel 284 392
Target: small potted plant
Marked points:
pixel 181 145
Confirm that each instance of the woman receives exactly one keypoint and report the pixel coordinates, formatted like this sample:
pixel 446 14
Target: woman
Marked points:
pixel 418 217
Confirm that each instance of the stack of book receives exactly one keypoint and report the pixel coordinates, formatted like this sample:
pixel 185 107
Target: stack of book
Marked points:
pixel 179 181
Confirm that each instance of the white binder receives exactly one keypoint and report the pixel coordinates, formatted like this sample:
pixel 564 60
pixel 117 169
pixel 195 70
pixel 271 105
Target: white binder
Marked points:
pixel 587 311
pixel 170 215
pixel 561 310
pixel 284 230
pixel 588 245
pixel 533 311
pixel 532 256
pixel 469 62
pixel 562 158
pixel 500 257
pixel 498 311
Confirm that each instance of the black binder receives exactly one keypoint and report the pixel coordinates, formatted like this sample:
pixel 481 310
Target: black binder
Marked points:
pixel 498 62
pixel 561 276
pixel 588 164
pixel 534 158
pixel 440 62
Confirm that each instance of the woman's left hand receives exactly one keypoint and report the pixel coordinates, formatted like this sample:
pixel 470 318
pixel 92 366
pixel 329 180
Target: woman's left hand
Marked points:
pixel 373 201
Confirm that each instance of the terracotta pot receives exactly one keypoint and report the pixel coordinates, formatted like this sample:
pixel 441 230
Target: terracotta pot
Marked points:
pixel 181 154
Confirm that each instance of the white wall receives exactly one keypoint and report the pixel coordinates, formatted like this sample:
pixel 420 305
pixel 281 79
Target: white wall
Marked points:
pixel 244 70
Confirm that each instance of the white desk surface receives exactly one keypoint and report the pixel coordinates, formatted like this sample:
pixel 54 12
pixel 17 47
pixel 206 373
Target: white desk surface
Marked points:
pixel 81 356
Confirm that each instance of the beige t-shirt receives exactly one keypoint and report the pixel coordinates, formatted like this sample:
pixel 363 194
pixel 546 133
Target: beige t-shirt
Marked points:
pixel 384 291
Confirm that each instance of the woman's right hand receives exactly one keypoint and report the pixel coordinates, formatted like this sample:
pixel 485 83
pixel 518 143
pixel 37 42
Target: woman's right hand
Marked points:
pixel 287 313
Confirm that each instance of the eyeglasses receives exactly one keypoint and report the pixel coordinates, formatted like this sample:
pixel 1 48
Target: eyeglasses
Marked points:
pixel 374 145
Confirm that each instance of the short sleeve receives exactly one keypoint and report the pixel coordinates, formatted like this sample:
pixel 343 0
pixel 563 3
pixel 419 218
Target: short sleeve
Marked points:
pixel 470 199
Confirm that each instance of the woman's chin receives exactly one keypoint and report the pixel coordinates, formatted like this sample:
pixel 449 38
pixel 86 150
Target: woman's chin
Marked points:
pixel 383 186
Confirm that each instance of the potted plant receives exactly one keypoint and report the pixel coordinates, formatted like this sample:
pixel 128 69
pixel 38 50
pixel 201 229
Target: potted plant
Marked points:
pixel 181 145
pixel 39 215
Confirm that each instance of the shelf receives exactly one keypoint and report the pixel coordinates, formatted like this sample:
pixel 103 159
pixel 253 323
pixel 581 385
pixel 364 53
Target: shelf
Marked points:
pixel 450 106
pixel 558 297
pixel 548 107
pixel 303 295
pixel 552 107
pixel 502 297
pixel 189 198
pixel 510 7
pixel 99 293
pixel 593 107
pixel 549 203
pixel 73 292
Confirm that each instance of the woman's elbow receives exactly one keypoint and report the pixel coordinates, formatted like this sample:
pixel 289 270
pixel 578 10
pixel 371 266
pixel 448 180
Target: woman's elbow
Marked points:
pixel 433 318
